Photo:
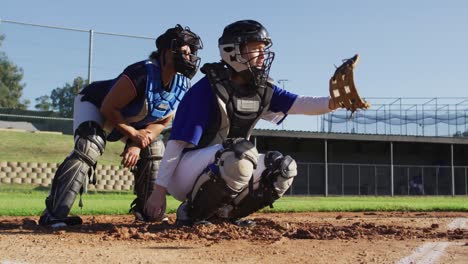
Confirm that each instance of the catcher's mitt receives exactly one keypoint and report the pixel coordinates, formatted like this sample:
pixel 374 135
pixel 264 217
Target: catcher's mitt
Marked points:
pixel 342 88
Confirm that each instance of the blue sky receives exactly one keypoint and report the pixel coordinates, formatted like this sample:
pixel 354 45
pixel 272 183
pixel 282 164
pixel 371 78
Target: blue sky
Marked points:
pixel 407 48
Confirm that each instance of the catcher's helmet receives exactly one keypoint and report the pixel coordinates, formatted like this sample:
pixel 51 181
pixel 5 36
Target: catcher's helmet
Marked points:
pixel 173 39
pixel 230 44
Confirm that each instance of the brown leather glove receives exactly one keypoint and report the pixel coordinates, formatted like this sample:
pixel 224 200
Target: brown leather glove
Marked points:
pixel 342 88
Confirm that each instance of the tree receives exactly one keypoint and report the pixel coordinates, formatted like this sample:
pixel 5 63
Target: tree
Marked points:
pixel 63 97
pixel 11 88
pixel 24 104
pixel 43 103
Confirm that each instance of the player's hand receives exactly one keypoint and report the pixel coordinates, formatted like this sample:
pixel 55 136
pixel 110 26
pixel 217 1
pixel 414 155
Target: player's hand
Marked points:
pixel 142 138
pixel 156 204
pixel 332 105
pixel 130 156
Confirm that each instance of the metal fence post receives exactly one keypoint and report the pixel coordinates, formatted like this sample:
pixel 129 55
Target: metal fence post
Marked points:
pixel 436 118
pixel 391 170
pixel 453 170
pixel 466 184
pixel 326 168
pixel 407 180
pixel 422 180
pixel 308 179
pixel 90 54
pixel 375 180
pixel 359 179
pixel 342 179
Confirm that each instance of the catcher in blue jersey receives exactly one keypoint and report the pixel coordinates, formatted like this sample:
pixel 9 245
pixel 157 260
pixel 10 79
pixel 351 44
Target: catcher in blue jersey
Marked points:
pixel 209 164
pixel 135 107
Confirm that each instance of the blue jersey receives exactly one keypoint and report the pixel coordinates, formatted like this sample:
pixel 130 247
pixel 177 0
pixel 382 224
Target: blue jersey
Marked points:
pixel 151 103
pixel 199 107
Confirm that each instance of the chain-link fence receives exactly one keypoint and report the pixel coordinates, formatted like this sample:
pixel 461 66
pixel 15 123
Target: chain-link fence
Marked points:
pixel 377 179
pixel 52 56
pixel 439 116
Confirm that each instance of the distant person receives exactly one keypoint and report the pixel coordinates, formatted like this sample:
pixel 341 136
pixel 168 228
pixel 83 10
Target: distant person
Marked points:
pixel 416 185
pixel 134 107
pixel 209 164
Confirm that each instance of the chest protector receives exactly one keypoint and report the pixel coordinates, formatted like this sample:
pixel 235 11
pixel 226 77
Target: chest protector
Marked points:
pixel 240 108
pixel 157 103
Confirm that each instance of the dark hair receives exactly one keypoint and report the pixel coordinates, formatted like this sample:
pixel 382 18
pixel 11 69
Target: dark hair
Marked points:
pixel 165 40
pixel 154 55
pixel 179 34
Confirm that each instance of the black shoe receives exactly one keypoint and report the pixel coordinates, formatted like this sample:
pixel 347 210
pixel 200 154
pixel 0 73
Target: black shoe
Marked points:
pixel 182 216
pixel 243 222
pixel 181 223
pixel 165 219
pixel 139 216
pixel 202 223
pixel 48 219
pixel 184 220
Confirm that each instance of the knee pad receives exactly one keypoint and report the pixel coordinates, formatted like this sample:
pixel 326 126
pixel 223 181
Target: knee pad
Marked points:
pixel 145 174
pixel 71 174
pixel 280 171
pixel 210 192
pixel 275 181
pixel 222 181
pixel 237 162
pixel 153 151
pixel 90 142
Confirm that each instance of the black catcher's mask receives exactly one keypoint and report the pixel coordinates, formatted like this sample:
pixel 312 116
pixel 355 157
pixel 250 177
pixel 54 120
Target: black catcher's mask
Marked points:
pixel 175 38
pixel 235 37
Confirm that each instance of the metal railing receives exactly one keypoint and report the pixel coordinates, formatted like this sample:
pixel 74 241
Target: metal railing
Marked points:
pixel 376 179
pixel 89 38
pixel 438 116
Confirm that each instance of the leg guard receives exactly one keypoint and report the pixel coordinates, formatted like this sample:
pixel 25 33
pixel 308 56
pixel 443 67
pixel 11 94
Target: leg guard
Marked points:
pixel 71 174
pixel 275 181
pixel 145 174
pixel 222 181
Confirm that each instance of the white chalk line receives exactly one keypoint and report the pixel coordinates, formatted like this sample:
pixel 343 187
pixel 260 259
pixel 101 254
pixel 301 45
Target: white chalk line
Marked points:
pixel 460 223
pixel 430 252
pixel 11 262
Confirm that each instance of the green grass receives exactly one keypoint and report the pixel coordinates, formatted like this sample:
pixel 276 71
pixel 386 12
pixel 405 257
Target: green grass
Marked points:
pixel 44 147
pixel 27 200
pixel 372 203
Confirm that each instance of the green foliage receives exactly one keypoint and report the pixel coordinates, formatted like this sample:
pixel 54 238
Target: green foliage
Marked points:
pixel 43 103
pixel 11 88
pixel 63 97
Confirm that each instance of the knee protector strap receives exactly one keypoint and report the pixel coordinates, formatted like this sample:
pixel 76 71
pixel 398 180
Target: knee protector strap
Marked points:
pixel 210 192
pixel 275 181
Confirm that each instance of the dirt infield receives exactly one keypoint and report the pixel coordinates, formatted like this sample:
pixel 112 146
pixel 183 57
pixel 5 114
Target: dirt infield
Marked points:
pixel 276 238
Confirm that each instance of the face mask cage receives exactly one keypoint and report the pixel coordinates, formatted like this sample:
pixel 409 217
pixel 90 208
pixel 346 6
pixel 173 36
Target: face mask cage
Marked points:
pixel 257 63
pixel 186 66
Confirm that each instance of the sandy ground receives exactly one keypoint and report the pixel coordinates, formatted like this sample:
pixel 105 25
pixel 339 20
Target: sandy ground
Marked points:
pixel 276 238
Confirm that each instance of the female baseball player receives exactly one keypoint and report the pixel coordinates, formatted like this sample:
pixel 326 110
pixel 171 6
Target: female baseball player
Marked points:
pixel 209 164
pixel 134 107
